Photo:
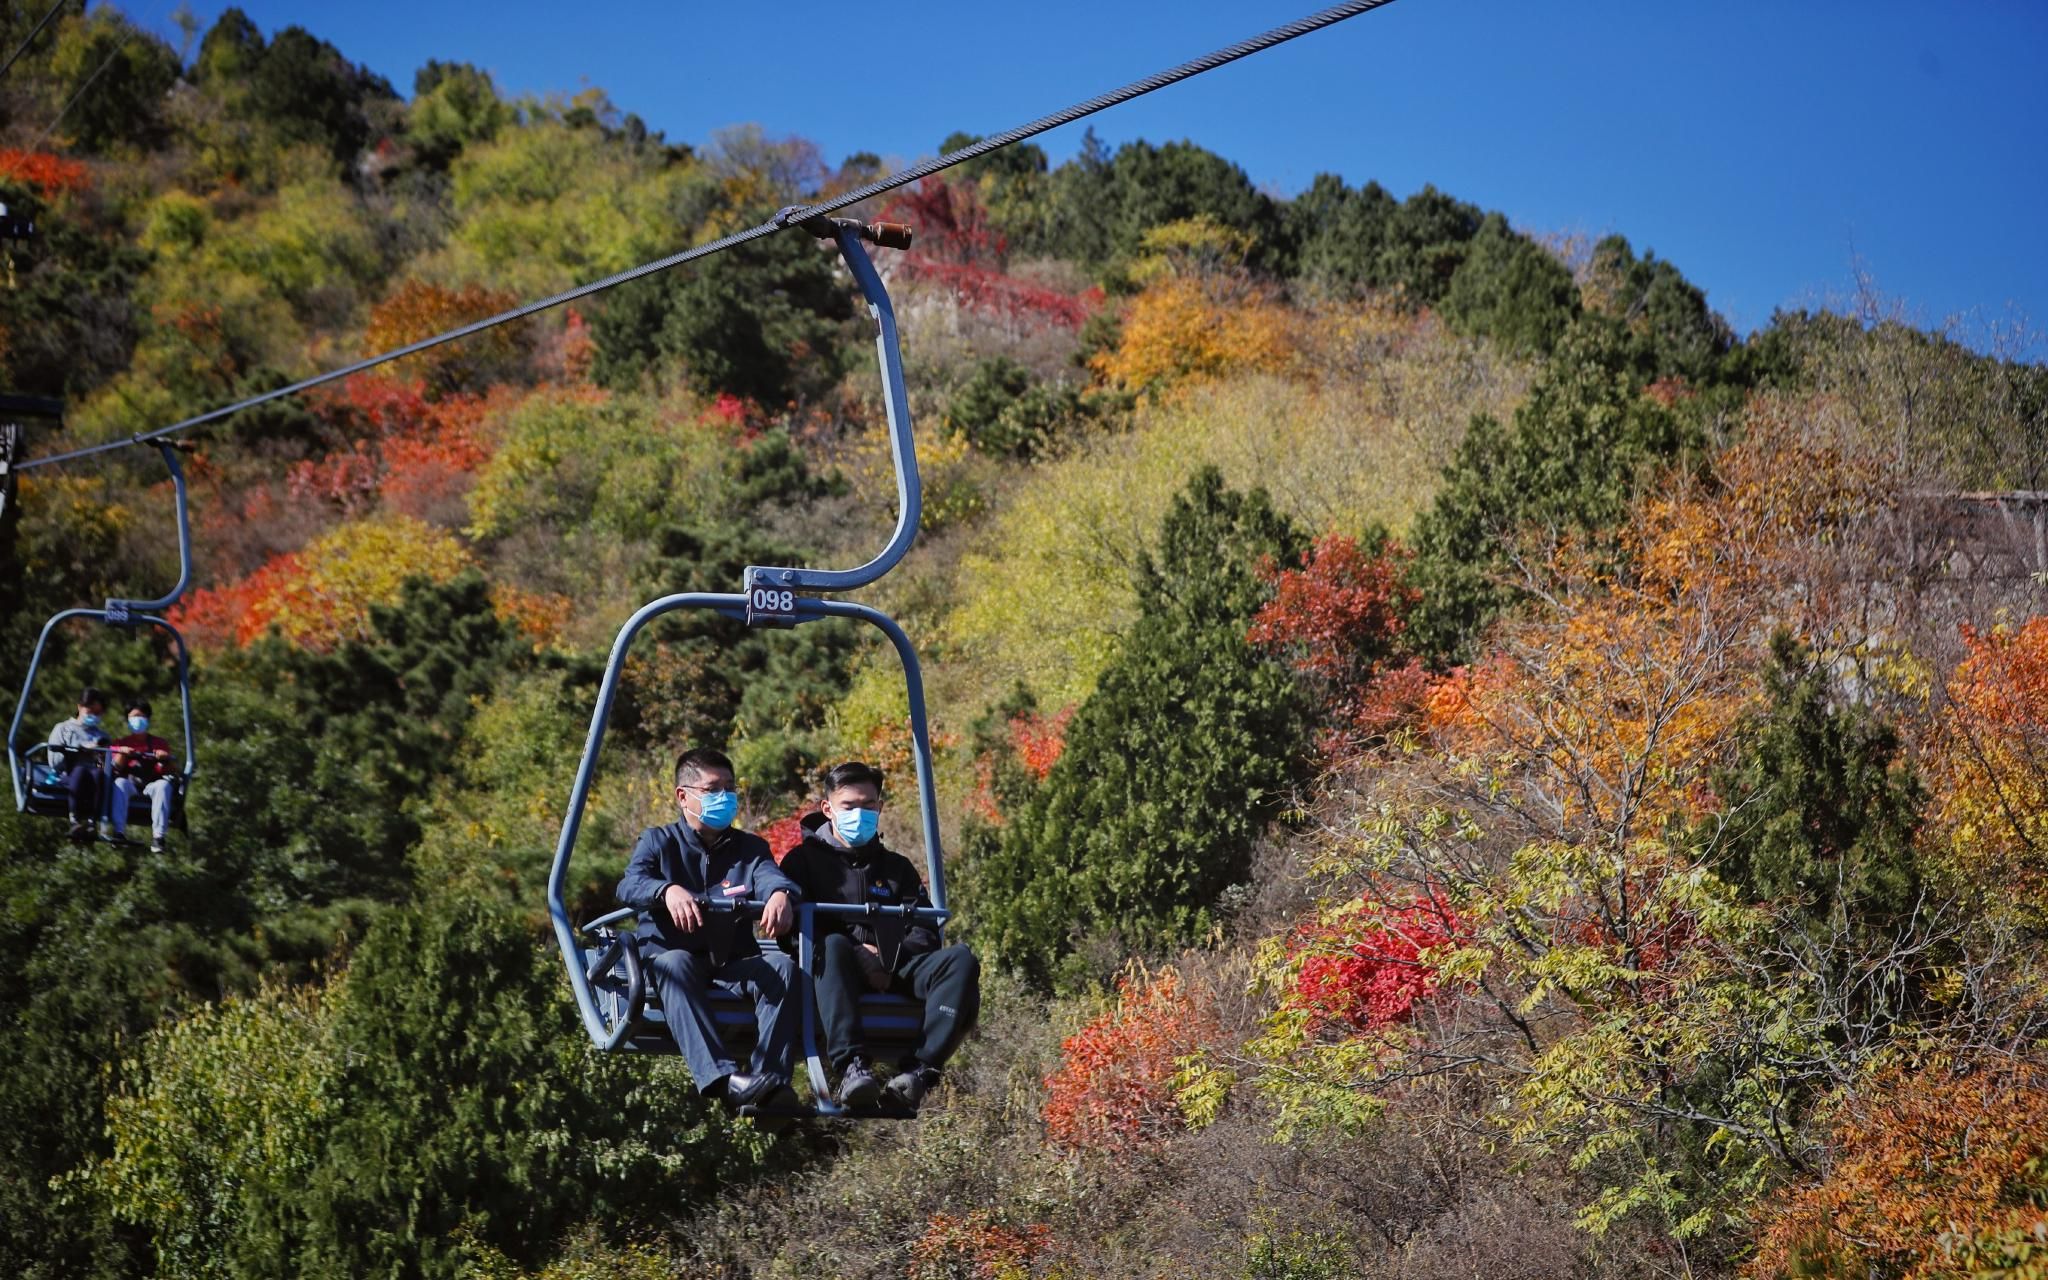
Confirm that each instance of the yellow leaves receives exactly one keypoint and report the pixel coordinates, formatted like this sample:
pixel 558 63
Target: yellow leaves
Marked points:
pixel 324 595
pixel 1183 328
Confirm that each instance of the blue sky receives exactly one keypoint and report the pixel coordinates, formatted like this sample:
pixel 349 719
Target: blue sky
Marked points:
pixel 1764 146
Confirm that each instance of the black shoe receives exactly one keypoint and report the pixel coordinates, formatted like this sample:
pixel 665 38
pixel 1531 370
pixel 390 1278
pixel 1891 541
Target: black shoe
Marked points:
pixel 908 1089
pixel 858 1085
pixel 81 831
pixel 156 846
pixel 766 1096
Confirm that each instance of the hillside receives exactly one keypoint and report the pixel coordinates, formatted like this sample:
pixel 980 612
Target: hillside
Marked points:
pixel 1454 761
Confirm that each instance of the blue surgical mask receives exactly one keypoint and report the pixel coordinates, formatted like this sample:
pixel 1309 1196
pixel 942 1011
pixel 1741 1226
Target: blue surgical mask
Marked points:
pixel 856 826
pixel 89 720
pixel 717 809
pixel 139 724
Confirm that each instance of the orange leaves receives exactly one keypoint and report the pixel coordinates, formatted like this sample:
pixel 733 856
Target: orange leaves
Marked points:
pixel 1113 1090
pixel 1927 1162
pixel 418 457
pixel 49 174
pixel 542 617
pixel 321 596
pixel 1183 328
pixel 417 309
pixel 976 1246
pixel 783 834
pixel 1989 765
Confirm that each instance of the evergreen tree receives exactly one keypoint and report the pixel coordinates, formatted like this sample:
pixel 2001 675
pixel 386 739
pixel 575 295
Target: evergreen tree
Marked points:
pixel 1570 463
pixel 767 322
pixel 1188 747
pixel 1821 807
pixel 1512 291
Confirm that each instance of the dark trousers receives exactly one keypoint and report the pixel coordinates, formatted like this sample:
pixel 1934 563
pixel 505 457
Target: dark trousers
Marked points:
pixel 683 979
pixel 947 981
pixel 82 780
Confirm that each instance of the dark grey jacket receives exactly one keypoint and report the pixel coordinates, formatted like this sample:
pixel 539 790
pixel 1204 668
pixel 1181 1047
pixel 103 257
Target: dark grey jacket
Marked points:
pixel 738 868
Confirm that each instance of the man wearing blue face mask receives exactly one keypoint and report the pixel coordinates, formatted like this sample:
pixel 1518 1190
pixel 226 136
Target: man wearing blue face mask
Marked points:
pixel 80 739
pixel 842 859
pixel 674 871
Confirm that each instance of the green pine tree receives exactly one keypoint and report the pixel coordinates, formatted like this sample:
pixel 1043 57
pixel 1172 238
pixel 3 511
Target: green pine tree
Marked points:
pixel 1188 747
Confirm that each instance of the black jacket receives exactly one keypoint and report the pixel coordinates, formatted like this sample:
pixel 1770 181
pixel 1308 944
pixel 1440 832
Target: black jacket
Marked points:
pixel 739 868
pixel 828 872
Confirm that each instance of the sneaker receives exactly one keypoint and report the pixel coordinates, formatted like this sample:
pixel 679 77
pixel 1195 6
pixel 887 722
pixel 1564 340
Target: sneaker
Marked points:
pixel 81 831
pixel 156 845
pixel 858 1085
pixel 908 1088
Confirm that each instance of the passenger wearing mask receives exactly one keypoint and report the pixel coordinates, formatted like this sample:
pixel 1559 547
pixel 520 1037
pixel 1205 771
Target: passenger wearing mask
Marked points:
pixel 842 859
pixel 142 766
pixel 80 739
pixel 686 947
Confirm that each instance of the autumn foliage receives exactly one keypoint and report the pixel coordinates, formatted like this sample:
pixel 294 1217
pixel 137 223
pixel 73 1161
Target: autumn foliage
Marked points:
pixel 418 309
pixel 975 1246
pixel 1369 966
pixel 1337 619
pixel 1040 740
pixel 1932 1167
pixel 49 174
pixel 321 595
pixel 1990 762
pixel 1113 1090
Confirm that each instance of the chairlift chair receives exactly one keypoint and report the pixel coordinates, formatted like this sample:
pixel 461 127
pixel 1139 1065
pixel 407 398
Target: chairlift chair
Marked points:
pixel 37 771
pixel 619 1008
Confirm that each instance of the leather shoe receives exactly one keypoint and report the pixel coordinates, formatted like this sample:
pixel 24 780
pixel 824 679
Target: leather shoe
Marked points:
pixel 762 1096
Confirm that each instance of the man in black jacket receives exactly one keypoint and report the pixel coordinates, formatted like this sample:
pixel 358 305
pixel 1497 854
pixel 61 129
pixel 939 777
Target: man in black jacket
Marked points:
pixel 686 946
pixel 843 860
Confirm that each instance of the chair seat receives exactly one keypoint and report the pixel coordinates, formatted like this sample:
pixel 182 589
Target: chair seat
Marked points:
pixel 890 1024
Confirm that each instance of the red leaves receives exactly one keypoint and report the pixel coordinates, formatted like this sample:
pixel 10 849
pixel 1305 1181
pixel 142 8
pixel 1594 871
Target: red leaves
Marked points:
pixel 1367 969
pixel 1113 1090
pixel 49 174
pixel 1040 740
pixel 419 453
pixel 992 291
pixel 975 1245
pixel 1337 620
pixel 783 834
pixel 950 222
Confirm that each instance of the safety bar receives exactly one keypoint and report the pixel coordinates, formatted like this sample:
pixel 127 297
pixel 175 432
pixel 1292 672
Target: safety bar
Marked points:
pixel 769 588
pixel 118 611
pixel 731 606
pixel 36 659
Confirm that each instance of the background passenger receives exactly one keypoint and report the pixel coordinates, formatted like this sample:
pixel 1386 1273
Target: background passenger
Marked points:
pixel 80 739
pixel 142 766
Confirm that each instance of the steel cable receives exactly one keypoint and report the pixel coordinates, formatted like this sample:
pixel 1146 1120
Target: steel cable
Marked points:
pixel 31 38
pixel 789 217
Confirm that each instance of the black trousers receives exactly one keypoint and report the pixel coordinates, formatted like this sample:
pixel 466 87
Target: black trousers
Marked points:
pixel 83 780
pixel 947 981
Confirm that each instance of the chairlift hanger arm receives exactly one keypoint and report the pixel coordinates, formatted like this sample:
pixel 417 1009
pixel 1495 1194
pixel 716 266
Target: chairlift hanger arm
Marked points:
pixel 118 611
pixel 771 589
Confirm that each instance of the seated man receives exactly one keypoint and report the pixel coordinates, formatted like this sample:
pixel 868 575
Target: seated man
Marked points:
pixel 687 947
pixel 142 766
pixel 842 860
pixel 80 739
